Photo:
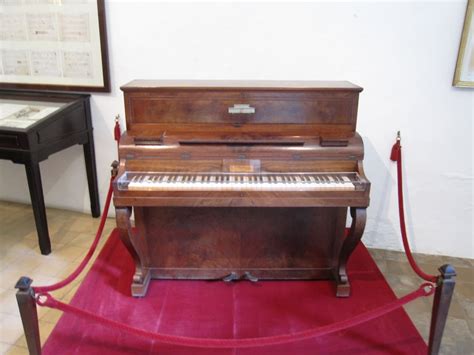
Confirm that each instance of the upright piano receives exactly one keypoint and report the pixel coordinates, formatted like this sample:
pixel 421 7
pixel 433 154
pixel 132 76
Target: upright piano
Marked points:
pixel 237 180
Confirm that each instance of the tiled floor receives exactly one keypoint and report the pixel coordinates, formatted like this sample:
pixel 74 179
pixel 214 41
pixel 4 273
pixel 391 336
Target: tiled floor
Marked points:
pixel 72 233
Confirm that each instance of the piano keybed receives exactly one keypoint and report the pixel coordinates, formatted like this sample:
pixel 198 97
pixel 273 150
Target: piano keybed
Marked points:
pixel 165 181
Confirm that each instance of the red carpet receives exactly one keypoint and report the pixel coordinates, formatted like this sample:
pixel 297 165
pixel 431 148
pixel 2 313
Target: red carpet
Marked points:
pixel 238 310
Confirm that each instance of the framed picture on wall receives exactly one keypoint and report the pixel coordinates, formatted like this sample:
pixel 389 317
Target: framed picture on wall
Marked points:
pixel 464 74
pixel 53 45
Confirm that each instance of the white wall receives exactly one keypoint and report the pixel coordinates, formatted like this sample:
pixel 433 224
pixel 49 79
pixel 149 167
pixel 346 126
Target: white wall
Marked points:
pixel 402 53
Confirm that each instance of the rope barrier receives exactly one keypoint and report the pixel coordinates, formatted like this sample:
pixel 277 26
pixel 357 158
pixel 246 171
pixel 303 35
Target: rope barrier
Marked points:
pixel 43 298
pixel 93 247
pixel 117 132
pixel 425 289
pixel 396 155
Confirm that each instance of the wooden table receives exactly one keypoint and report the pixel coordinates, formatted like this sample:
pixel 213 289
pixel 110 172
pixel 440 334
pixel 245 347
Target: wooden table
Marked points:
pixel 34 125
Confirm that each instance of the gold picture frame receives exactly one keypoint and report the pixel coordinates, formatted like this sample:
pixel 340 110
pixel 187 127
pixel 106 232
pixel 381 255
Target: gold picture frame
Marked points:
pixel 464 74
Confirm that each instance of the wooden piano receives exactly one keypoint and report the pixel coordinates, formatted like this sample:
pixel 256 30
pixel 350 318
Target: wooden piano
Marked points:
pixel 240 180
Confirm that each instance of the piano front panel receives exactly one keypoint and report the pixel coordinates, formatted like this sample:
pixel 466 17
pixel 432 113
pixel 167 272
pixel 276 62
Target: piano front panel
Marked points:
pixel 216 166
pixel 212 242
pixel 290 149
pixel 213 108
pixel 326 131
pixel 302 111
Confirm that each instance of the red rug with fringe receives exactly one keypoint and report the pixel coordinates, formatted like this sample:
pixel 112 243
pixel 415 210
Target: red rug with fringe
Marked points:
pixel 214 309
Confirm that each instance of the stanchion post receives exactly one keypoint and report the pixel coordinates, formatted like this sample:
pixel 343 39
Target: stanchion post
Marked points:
pixel 25 297
pixel 441 303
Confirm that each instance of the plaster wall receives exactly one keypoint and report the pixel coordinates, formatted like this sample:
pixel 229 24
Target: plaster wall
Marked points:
pixel 403 54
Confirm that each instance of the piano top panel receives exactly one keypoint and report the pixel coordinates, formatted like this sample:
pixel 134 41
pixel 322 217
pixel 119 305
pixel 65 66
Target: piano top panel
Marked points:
pixel 318 109
pixel 147 85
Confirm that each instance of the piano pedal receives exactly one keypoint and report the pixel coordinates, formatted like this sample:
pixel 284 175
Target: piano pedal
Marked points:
pixel 231 277
pixel 234 277
pixel 248 276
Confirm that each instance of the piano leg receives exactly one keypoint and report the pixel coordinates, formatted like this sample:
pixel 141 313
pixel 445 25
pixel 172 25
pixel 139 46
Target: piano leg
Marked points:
pixel 357 229
pixel 142 276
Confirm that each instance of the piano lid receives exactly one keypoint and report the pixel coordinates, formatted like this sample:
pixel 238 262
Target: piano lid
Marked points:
pixel 139 85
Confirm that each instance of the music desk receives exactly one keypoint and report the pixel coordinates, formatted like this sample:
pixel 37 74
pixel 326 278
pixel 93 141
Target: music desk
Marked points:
pixel 34 125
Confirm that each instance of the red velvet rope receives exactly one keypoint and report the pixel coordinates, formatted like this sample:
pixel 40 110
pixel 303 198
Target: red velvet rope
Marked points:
pixel 117 132
pixel 43 298
pixel 425 289
pixel 396 155
pixel 93 247
pixel 82 265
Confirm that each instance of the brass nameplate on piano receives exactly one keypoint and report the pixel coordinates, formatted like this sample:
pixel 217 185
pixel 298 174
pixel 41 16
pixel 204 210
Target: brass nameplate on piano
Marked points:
pixel 241 108
pixel 241 165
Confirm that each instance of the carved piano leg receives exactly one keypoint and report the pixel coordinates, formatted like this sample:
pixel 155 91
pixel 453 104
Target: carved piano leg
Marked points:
pixel 141 278
pixel 357 228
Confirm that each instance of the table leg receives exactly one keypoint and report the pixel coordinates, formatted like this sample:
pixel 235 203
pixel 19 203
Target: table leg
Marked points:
pixel 89 156
pixel 37 202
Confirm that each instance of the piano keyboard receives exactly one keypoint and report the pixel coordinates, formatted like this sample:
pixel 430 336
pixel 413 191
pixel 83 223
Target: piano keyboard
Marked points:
pixel 238 182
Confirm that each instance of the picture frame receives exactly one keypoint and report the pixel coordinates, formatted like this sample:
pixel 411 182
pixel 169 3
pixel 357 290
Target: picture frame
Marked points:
pixel 464 73
pixel 54 45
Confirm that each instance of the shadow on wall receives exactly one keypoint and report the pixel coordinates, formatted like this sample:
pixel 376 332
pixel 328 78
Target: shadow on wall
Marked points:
pixel 381 230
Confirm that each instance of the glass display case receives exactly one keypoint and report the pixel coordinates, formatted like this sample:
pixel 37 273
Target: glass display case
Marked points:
pixel 34 125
